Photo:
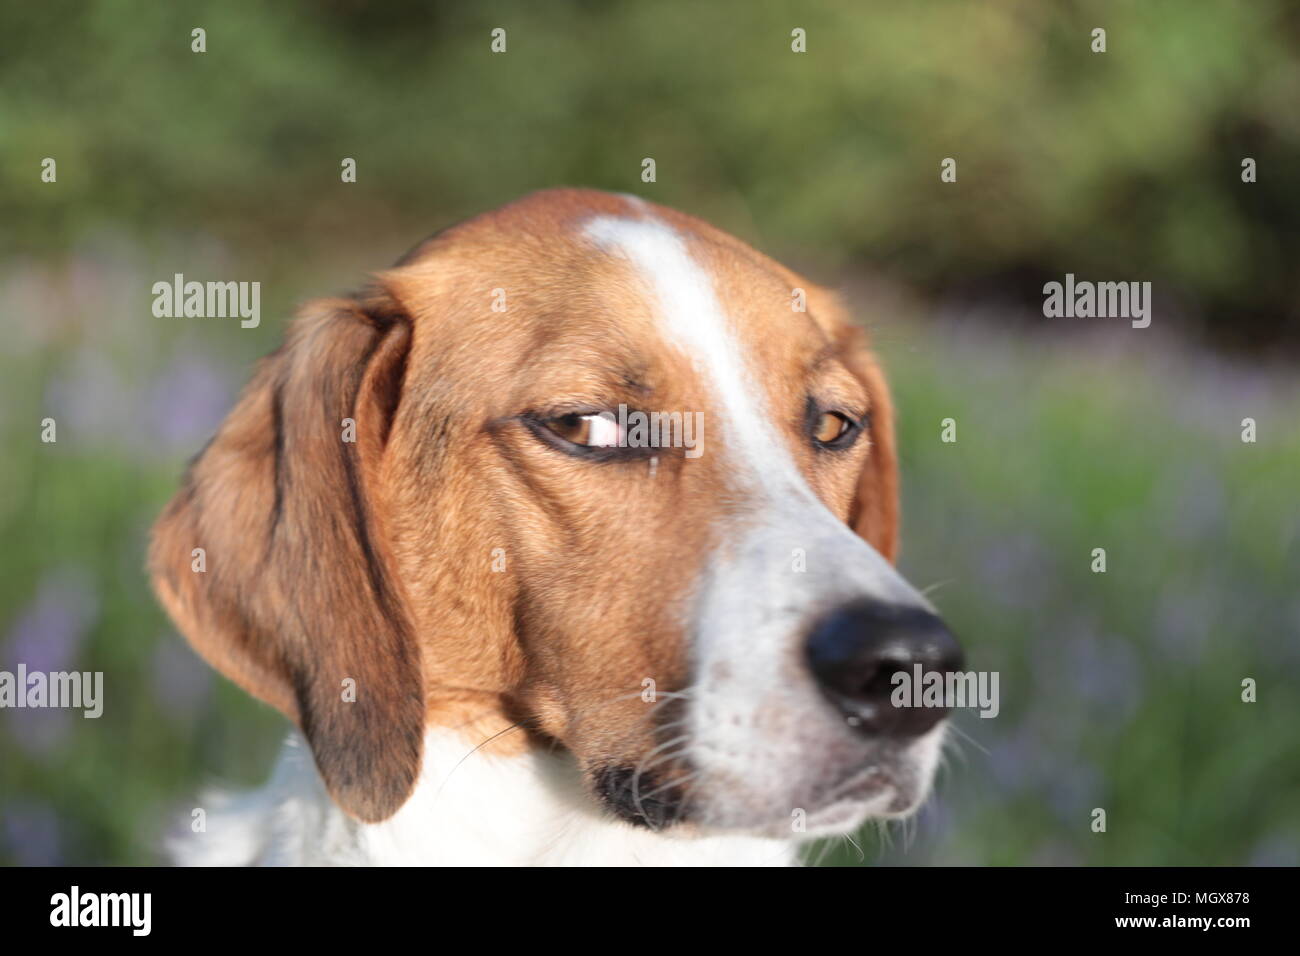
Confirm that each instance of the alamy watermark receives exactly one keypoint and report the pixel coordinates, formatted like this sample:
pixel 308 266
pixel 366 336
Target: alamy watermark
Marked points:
pixel 1100 300
pixel 948 689
pixel 57 689
pixel 637 429
pixel 129 910
pixel 208 300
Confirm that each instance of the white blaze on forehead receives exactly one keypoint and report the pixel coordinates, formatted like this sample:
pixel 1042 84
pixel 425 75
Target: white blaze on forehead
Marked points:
pixel 694 321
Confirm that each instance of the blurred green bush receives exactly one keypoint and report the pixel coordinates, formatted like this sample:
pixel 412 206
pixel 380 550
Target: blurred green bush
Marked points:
pixel 1120 165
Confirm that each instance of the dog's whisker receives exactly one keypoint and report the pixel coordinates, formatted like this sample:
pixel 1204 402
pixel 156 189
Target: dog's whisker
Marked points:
pixel 678 782
pixel 483 743
pixel 930 589
pixel 968 738
pixel 862 856
pixel 641 766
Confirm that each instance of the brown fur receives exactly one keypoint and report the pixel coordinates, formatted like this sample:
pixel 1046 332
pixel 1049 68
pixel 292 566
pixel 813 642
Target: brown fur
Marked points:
pixel 374 561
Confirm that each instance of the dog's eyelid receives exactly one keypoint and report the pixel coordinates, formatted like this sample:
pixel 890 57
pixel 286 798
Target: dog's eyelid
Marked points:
pixel 565 408
pixel 856 413
pixel 554 412
pixel 610 449
pixel 847 402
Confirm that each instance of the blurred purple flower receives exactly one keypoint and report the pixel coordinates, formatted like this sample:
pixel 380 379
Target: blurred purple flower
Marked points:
pixel 1055 853
pixel 1014 761
pixel 1015 569
pixel 182 682
pixel 1182 623
pixel 1107 673
pixel 88 397
pixel 186 402
pixel 1073 790
pixel 48 635
pixel 39 730
pixel 32 835
pixel 27 287
pixel 173 412
pixel 1196 507
pixel 1101 673
pixel 934 821
pixel 1276 850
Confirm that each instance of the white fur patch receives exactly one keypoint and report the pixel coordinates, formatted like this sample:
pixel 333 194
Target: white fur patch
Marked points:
pixel 694 321
pixel 469 808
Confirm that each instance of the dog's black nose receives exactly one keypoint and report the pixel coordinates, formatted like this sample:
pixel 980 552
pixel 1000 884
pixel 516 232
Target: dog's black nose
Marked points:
pixel 856 650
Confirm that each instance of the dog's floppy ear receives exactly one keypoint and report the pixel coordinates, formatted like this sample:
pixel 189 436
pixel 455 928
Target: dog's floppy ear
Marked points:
pixel 875 512
pixel 292 594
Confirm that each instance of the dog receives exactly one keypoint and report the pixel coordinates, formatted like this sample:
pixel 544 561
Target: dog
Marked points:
pixel 508 634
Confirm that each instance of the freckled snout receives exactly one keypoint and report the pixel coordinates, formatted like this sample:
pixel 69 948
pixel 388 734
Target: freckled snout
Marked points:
pixel 855 652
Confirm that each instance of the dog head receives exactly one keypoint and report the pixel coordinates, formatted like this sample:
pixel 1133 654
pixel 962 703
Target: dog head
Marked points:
pixel 594 466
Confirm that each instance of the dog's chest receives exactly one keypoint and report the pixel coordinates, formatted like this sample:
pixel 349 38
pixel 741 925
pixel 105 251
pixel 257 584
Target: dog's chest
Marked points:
pixel 468 809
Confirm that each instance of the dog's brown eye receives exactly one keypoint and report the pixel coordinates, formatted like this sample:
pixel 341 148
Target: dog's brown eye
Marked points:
pixel 831 427
pixel 600 430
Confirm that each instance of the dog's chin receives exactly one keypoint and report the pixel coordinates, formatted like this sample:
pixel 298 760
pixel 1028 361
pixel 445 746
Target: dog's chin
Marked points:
pixel 824 801
pixel 866 795
pixel 863 798
pixel 886 782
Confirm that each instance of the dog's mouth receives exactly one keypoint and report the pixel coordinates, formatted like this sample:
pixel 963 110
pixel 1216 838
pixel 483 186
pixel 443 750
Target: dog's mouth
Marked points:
pixel 890 786
pixel 642 799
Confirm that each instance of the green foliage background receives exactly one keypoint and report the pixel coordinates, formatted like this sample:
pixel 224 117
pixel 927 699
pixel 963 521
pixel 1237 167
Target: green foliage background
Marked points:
pixel 1119 690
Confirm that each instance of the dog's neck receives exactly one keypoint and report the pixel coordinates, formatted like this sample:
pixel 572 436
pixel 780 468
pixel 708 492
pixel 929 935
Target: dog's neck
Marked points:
pixel 469 808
